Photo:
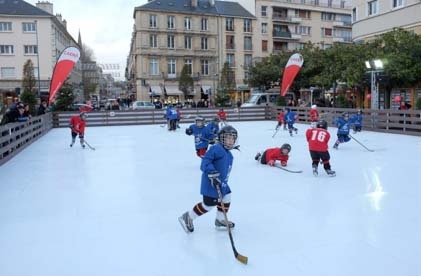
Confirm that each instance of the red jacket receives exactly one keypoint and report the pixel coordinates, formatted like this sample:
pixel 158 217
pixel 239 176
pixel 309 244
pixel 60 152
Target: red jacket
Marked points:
pixel 222 115
pixel 276 154
pixel 281 117
pixel 77 124
pixel 314 115
pixel 318 139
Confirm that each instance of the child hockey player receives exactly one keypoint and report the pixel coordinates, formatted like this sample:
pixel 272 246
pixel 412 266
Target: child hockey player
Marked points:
pixel 343 129
pixel 172 116
pixel 213 129
pixel 318 139
pixel 216 166
pixel 270 156
pixel 202 136
pixel 222 116
pixel 357 121
pixel 77 125
pixel 281 120
pixel 313 114
pixel 290 117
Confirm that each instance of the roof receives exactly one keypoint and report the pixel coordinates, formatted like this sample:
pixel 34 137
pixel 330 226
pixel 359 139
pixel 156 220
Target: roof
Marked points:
pixel 203 7
pixel 19 7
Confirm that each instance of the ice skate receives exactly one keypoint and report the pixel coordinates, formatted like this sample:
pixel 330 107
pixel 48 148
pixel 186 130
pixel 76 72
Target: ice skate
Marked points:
pixel 257 157
pixel 186 222
pixel 296 131
pixel 315 172
pixel 221 224
pixel 335 146
pixel 330 173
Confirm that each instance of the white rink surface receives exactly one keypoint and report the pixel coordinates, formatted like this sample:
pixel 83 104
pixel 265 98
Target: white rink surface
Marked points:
pixel 113 211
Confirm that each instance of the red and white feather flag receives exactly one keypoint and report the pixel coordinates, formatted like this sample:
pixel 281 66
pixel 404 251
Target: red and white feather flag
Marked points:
pixel 291 70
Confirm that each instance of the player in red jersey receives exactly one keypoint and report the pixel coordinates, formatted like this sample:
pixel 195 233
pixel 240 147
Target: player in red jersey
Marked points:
pixel 318 139
pixel 270 156
pixel 77 125
pixel 313 114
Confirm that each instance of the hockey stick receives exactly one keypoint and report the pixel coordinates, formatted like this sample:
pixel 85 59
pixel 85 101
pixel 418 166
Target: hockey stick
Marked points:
pixel 89 146
pixel 371 150
pixel 291 171
pixel 238 256
pixel 276 131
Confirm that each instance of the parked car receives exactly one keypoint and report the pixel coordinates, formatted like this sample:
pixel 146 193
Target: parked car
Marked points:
pixel 142 105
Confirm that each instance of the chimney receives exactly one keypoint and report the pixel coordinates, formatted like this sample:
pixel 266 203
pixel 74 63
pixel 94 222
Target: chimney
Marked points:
pixel 64 23
pixel 212 3
pixel 194 3
pixel 45 6
pixel 59 17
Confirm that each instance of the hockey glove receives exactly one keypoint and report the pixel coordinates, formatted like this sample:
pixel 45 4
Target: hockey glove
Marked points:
pixel 215 178
pixel 189 131
pixel 271 163
pixel 212 142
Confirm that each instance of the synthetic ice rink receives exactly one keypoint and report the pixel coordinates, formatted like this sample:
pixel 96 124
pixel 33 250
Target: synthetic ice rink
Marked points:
pixel 113 211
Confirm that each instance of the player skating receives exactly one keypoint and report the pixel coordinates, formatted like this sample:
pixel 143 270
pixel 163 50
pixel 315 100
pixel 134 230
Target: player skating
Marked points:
pixel 77 125
pixel 271 155
pixel 313 115
pixel 216 166
pixel 222 117
pixel 318 139
pixel 357 121
pixel 202 136
pixel 290 117
pixel 343 125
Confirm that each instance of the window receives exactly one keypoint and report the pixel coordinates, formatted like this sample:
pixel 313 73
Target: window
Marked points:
pixel 187 42
pixel 204 67
pixel 354 14
pixel 230 43
pixel 302 30
pixel 231 60
pixel 153 67
pixel 187 23
pixel 170 43
pixel 247 25
pixel 328 16
pixel 303 14
pixel 342 4
pixel 5 26
pixel 6 50
pixel 29 27
pixel 248 46
pixel 153 41
pixel 264 10
pixel 7 72
pixel 171 22
pixel 329 3
pixel 248 61
pixel 264 45
pixel 204 43
pixel 152 21
pixel 30 49
pixel 35 71
pixel 204 24
pixel 397 3
pixel 264 28
pixel 326 32
pixel 171 68
pixel 372 7
pixel 229 24
pixel 189 64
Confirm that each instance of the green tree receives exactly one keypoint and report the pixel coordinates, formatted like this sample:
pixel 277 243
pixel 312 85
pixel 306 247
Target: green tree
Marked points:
pixel 227 83
pixel 28 83
pixel 64 98
pixel 185 83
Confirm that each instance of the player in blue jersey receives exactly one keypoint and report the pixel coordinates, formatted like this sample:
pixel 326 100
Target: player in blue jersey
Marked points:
pixel 290 117
pixel 357 121
pixel 216 166
pixel 343 125
pixel 213 129
pixel 201 134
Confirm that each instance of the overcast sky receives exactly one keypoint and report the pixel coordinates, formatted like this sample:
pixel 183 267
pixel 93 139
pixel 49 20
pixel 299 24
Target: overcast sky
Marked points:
pixel 105 26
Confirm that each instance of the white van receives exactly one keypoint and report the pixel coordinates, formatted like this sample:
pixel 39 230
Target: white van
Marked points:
pixel 265 99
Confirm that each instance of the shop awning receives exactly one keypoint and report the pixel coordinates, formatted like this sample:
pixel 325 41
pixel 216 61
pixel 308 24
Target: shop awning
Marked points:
pixel 155 90
pixel 207 89
pixel 173 90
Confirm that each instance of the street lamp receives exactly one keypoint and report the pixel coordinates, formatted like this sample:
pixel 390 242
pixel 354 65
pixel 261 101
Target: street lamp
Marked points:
pixel 39 79
pixel 374 66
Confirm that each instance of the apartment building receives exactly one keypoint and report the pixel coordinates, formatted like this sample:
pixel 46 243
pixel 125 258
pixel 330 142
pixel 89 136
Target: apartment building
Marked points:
pixel 202 34
pixel 289 24
pixel 372 18
pixel 29 32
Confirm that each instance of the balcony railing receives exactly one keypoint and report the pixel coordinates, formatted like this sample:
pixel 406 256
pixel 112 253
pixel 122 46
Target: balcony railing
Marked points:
pixel 281 34
pixel 287 19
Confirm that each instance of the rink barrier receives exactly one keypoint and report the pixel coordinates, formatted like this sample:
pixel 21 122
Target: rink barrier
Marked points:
pixel 387 120
pixel 14 137
pixel 156 116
